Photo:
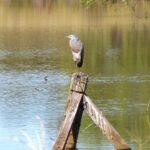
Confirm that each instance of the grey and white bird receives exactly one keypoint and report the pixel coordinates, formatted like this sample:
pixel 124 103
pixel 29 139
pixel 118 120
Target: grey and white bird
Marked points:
pixel 77 49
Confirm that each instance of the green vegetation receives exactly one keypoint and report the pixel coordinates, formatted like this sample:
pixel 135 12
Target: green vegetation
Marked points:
pixel 72 12
pixel 138 8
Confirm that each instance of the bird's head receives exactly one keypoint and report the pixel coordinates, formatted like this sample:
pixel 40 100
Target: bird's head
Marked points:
pixel 72 36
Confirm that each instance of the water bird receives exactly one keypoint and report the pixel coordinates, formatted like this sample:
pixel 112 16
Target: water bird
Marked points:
pixel 77 49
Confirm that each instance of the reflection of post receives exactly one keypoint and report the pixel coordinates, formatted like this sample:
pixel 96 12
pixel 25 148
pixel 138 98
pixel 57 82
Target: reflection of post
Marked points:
pixel 107 129
pixel 69 130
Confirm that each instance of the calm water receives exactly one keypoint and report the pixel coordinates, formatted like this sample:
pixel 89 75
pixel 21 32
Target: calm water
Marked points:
pixel 117 59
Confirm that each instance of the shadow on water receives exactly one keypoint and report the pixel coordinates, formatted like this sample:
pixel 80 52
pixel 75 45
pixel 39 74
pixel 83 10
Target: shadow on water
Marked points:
pixel 116 59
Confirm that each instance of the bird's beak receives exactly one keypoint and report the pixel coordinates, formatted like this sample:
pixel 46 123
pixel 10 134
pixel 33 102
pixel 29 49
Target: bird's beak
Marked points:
pixel 67 36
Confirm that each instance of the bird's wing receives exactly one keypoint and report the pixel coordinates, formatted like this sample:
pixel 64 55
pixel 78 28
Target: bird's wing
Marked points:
pixel 76 46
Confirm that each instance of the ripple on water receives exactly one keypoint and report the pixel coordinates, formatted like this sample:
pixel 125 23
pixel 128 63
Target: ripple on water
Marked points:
pixel 119 79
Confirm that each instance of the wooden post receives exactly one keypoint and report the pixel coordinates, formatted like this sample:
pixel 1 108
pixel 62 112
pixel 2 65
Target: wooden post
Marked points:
pixel 107 129
pixel 69 130
pixel 73 135
pixel 77 101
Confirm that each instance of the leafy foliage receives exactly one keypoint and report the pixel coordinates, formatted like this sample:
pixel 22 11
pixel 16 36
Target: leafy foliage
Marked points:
pixel 87 3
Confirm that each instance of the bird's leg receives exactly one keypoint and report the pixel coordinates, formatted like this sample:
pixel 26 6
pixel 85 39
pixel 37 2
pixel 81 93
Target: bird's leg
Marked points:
pixel 76 67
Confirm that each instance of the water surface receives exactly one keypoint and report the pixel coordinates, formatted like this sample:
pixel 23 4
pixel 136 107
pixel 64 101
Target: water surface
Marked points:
pixel 117 60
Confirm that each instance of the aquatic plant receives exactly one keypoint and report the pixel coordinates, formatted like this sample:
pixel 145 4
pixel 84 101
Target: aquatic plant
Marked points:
pixel 29 142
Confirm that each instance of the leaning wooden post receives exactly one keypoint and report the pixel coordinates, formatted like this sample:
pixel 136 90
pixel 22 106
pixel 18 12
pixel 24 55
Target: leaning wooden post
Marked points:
pixel 107 129
pixel 69 130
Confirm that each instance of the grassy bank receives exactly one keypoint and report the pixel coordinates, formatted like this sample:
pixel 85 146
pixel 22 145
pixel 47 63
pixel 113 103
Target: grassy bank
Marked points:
pixel 62 14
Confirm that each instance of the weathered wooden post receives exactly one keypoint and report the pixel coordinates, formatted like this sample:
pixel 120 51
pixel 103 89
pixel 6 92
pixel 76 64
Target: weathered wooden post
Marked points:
pixel 69 130
pixel 107 129
pixel 77 102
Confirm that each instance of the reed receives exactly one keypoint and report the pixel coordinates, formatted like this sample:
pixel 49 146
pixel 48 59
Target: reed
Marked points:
pixel 37 143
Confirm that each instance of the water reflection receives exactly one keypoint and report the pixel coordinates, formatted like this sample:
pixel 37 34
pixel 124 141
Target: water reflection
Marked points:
pixel 120 79
pixel 23 96
pixel 117 61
